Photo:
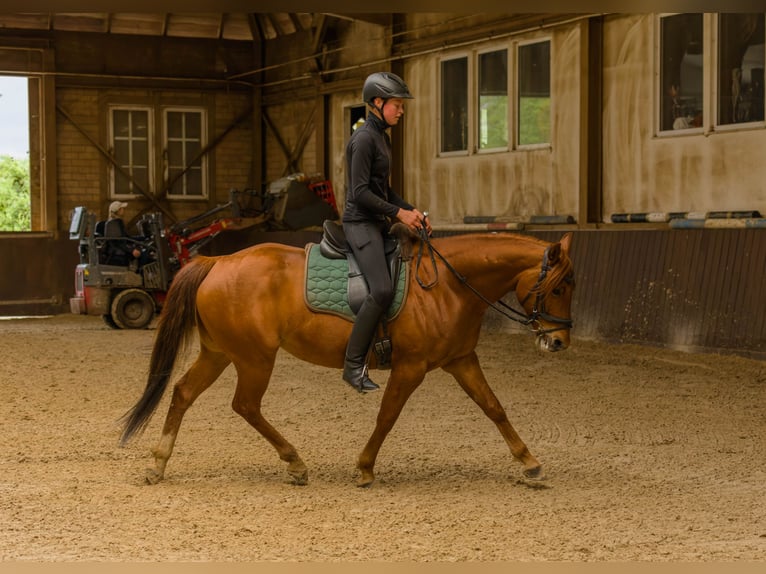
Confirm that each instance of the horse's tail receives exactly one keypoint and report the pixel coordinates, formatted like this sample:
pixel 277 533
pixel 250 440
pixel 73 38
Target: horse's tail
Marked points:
pixel 174 330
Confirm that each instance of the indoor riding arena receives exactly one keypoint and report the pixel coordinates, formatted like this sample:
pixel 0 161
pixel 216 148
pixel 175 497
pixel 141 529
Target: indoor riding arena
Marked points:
pixel 224 131
pixel 650 455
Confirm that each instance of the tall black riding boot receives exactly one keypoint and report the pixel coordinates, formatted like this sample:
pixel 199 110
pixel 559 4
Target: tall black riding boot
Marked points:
pixel 355 367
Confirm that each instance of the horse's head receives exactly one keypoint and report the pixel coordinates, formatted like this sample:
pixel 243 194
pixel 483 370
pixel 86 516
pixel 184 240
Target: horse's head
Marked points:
pixel 545 292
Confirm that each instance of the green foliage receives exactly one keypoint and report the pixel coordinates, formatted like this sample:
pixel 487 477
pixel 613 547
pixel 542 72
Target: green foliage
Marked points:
pixel 534 120
pixel 493 122
pixel 15 206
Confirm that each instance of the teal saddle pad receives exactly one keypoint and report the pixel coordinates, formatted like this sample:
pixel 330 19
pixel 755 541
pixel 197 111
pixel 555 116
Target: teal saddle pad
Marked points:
pixel 327 285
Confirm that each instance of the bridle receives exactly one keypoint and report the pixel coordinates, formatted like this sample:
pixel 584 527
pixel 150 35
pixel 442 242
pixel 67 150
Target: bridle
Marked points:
pixel 538 309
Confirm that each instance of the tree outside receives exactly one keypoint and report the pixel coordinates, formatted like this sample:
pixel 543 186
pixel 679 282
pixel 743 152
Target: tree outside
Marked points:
pixel 15 206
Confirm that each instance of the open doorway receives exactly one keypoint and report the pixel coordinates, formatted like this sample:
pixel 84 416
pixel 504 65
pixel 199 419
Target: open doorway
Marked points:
pixel 356 115
pixel 16 212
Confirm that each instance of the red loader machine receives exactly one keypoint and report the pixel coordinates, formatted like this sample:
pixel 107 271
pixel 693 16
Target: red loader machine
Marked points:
pixel 127 295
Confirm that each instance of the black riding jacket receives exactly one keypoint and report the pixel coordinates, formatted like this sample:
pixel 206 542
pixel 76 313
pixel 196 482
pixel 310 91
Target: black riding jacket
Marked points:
pixel 369 197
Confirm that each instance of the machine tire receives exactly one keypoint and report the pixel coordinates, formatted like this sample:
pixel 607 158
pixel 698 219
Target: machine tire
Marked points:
pixel 109 321
pixel 132 309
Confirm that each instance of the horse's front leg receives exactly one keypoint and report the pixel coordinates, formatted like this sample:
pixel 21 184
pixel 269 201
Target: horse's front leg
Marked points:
pixel 402 382
pixel 252 381
pixel 469 375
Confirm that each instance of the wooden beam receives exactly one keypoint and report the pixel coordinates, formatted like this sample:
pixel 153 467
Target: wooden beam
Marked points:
pixel 380 19
pixel 255 27
pixel 296 22
pixel 294 154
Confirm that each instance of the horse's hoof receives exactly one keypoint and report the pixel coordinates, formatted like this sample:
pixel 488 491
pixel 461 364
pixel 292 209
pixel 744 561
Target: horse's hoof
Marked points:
pixel 366 480
pixel 302 480
pixel 152 476
pixel 534 473
pixel 300 476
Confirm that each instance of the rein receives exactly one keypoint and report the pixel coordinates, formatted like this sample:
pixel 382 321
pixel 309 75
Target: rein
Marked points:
pixel 538 311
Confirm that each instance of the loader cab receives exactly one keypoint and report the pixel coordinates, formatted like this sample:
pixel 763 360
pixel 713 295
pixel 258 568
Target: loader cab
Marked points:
pixel 113 287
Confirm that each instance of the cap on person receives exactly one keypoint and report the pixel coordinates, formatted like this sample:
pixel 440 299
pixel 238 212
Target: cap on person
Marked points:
pixel 116 206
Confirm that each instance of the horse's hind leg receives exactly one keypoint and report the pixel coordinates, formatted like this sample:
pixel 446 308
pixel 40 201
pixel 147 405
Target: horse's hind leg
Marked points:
pixel 203 373
pixel 469 375
pixel 252 381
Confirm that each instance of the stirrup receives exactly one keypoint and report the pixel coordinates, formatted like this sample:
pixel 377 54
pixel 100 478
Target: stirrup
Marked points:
pixel 360 382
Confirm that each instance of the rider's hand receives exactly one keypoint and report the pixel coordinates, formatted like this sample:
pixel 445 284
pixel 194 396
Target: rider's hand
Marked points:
pixel 414 219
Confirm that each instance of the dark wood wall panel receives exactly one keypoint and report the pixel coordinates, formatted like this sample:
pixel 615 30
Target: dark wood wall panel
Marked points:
pixel 690 289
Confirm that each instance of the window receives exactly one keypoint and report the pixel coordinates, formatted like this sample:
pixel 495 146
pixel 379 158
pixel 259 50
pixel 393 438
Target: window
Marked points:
pixel 493 100
pixel 130 137
pixel 681 71
pixel 741 55
pixel 477 93
pixel 534 103
pixel 454 105
pixel 184 141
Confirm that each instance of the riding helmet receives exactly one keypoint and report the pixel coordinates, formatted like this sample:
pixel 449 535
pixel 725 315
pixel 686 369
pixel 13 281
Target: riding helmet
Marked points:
pixel 384 85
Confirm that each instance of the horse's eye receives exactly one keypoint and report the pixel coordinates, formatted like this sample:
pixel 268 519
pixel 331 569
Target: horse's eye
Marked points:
pixel 557 291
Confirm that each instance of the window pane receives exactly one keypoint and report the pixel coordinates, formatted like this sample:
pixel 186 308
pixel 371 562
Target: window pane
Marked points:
pixel 122 152
pixel 176 154
pixel 139 124
pixel 493 99
pixel 121 123
pixel 184 140
pixel 194 182
pixel 121 184
pixel 535 93
pixel 454 88
pixel 681 71
pixel 141 177
pixel 192 150
pixel 193 125
pixel 174 126
pixel 178 186
pixel 740 68
pixel 130 145
pixel 140 153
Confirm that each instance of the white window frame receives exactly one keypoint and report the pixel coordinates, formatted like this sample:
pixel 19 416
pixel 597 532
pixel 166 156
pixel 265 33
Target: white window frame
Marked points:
pixel 658 87
pixel 509 94
pixel 517 90
pixel 468 56
pixel 203 143
pixel 150 152
pixel 715 33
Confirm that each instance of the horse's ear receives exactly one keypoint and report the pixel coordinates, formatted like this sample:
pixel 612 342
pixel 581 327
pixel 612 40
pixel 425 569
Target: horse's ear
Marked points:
pixel 566 241
pixel 554 254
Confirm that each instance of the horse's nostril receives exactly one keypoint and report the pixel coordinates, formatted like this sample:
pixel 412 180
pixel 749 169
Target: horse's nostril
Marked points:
pixel 557 344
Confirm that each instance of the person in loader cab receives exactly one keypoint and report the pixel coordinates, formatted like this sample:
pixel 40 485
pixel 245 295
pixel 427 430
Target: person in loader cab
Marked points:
pixel 370 208
pixel 121 252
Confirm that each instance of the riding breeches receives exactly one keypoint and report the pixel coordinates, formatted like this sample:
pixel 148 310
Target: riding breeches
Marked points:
pixel 367 243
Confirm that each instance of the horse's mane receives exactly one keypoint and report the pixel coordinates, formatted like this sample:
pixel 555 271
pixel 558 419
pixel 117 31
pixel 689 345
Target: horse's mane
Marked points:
pixel 562 270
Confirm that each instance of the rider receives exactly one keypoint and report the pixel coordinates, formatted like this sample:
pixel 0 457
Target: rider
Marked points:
pixel 370 207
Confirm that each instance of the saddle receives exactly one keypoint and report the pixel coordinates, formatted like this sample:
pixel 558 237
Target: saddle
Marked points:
pixel 334 245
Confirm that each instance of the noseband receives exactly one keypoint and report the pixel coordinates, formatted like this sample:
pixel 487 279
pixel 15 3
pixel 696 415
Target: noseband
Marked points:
pixel 538 309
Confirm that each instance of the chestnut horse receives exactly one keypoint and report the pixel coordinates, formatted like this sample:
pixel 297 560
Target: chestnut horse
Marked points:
pixel 248 305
